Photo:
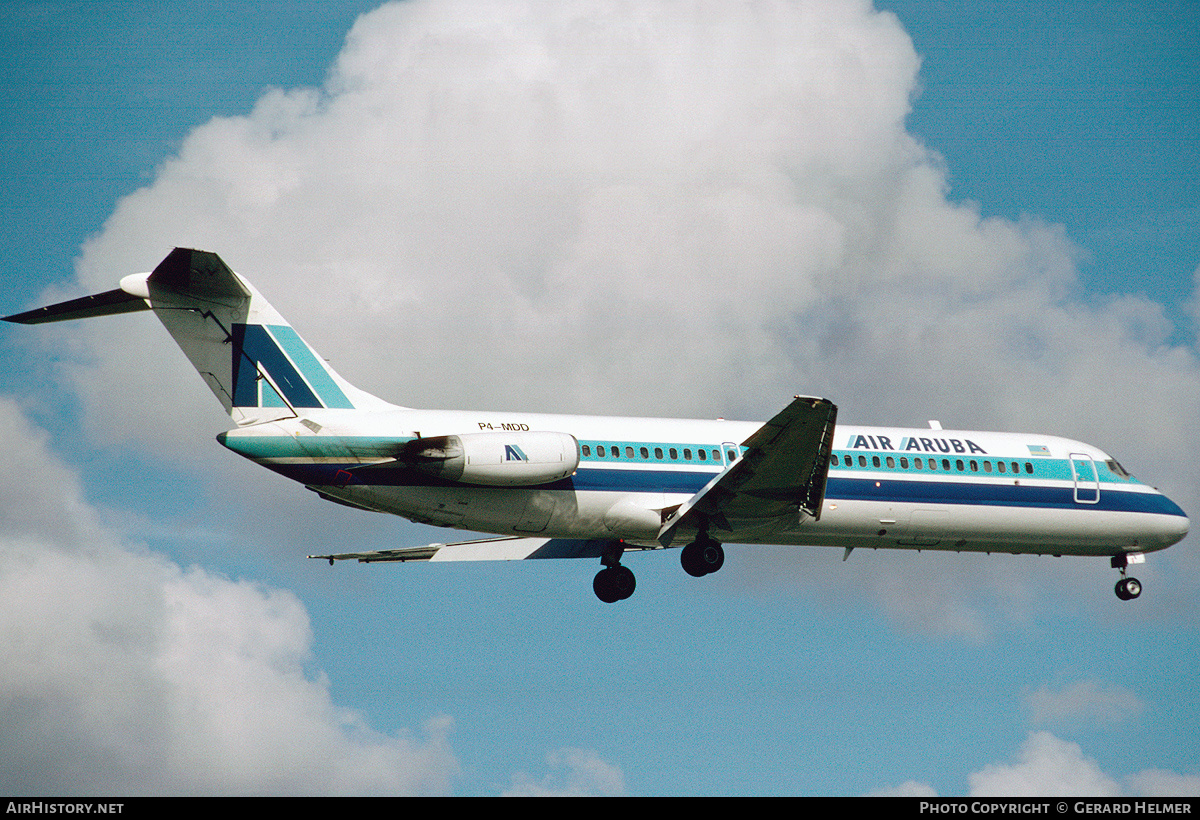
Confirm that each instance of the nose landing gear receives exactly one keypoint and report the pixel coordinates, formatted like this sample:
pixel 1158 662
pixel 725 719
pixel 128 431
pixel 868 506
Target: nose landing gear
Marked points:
pixel 1127 588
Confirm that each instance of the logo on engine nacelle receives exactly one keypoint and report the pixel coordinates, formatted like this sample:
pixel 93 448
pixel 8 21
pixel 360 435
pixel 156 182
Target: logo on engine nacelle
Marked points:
pixel 514 453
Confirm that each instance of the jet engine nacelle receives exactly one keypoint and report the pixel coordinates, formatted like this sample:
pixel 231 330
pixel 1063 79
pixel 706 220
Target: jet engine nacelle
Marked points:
pixel 516 459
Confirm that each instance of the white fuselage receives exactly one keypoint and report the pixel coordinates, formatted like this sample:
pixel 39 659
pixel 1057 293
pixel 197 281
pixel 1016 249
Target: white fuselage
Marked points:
pixel 887 487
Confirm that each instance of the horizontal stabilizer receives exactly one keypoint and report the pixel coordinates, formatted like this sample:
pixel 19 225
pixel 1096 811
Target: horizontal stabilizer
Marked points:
pixel 198 275
pixel 256 365
pixel 101 304
pixel 488 549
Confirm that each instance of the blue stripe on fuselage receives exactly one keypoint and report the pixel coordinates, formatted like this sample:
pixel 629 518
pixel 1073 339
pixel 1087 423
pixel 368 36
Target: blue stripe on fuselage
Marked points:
pixel 993 494
pixel 998 494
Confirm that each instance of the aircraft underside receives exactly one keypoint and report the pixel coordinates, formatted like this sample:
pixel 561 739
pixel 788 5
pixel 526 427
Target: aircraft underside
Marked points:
pixel 586 520
pixel 852 523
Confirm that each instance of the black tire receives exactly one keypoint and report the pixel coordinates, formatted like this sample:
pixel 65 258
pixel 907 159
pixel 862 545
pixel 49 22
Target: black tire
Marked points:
pixel 712 556
pixel 692 561
pixel 1128 588
pixel 624 581
pixel 702 557
pixel 605 587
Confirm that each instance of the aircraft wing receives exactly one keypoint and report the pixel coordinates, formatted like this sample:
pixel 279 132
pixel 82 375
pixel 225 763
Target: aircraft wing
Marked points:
pixel 511 548
pixel 782 471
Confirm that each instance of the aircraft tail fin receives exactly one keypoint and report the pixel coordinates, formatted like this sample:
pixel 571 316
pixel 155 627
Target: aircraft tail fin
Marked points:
pixel 256 365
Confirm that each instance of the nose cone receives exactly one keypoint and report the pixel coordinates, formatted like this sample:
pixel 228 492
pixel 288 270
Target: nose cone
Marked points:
pixel 1179 530
pixel 1171 525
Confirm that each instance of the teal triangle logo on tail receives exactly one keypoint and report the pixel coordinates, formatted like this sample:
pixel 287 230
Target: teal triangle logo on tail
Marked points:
pixel 297 376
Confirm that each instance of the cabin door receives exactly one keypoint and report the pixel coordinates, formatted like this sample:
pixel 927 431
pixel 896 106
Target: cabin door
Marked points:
pixel 1087 480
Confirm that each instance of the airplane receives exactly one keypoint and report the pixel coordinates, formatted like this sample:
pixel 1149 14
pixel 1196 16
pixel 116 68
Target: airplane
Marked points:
pixel 556 486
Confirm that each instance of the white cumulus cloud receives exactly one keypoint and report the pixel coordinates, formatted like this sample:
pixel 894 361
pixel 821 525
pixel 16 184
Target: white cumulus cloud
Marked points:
pixel 1044 766
pixel 573 773
pixel 1048 766
pixel 645 208
pixel 125 673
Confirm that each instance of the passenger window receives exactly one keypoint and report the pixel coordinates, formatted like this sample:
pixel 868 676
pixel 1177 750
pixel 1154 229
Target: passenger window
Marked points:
pixel 1028 468
pixel 628 452
pixel 891 462
pixel 703 456
pixel 974 466
pixel 674 454
pixel 904 462
pixel 862 461
pixel 587 451
pixel 1016 467
pixel 874 461
pixel 645 453
pixel 687 454
pixel 987 466
pixel 616 451
pixel 658 453
pixel 946 464
pixel 1000 466
pixel 732 456
pixel 959 465
pixel 834 460
pixel 600 450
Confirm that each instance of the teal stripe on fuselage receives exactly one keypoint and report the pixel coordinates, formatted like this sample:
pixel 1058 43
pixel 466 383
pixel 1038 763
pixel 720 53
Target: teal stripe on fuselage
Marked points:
pixel 269 447
pixel 1053 469
pixel 261 448
pixel 880 484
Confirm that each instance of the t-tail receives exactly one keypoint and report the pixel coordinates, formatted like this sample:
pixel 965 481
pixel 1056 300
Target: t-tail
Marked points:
pixel 256 365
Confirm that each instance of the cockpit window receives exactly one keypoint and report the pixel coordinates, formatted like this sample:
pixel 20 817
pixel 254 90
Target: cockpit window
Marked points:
pixel 1117 468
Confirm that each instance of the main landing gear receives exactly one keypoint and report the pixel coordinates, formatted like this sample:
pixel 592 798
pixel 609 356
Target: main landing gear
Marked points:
pixel 702 556
pixel 1127 588
pixel 616 582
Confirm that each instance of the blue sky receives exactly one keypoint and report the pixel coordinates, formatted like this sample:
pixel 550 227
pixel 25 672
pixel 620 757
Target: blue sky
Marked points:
pixel 1083 116
pixel 1033 217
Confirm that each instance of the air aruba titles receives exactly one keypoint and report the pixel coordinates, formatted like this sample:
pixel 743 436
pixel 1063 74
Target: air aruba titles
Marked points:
pixel 920 444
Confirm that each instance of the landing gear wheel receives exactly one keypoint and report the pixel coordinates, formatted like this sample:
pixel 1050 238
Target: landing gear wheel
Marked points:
pixel 613 584
pixel 1128 589
pixel 702 557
